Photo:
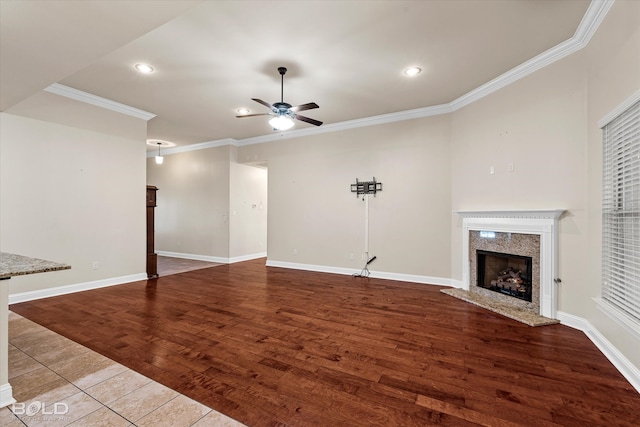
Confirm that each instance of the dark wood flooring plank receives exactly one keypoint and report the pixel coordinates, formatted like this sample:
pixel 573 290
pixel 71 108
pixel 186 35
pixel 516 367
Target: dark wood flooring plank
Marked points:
pixel 277 347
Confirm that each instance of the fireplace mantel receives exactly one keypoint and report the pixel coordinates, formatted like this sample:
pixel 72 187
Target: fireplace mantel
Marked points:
pixel 541 222
pixel 527 214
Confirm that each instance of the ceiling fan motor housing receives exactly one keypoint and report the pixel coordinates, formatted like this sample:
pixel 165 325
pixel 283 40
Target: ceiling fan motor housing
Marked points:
pixel 281 107
pixel 285 110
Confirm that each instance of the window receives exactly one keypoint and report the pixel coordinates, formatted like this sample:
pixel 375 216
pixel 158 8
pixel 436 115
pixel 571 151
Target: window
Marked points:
pixel 621 213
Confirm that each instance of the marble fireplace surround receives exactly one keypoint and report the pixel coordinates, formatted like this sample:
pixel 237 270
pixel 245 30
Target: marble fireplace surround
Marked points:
pixel 543 223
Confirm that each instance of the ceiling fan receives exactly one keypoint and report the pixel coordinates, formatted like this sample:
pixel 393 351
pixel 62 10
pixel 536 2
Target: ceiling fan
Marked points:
pixel 283 112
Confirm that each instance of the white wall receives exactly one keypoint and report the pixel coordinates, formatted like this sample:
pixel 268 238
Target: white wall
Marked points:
pixel 72 194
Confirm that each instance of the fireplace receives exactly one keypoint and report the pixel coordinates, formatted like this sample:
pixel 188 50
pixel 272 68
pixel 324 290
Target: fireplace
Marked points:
pixel 519 252
pixel 507 274
pixel 531 233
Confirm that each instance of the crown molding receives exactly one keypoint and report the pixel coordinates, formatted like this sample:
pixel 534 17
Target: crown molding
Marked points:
pixel 98 101
pixel 195 147
pixel 589 24
pixel 591 20
pixel 619 109
pixel 297 133
pixel 351 124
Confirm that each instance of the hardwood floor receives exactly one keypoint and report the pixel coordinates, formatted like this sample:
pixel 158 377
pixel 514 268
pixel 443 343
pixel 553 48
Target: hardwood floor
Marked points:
pixel 170 265
pixel 278 347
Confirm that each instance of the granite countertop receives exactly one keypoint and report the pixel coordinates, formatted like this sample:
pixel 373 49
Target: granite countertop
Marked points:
pixel 18 265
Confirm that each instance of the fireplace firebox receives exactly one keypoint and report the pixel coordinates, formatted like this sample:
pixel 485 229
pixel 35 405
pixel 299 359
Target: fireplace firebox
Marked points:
pixel 507 274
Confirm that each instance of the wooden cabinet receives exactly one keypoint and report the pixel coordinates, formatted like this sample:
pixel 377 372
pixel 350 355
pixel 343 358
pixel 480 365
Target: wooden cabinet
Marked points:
pixel 152 258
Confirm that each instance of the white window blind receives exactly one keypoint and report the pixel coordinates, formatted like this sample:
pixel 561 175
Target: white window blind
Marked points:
pixel 621 212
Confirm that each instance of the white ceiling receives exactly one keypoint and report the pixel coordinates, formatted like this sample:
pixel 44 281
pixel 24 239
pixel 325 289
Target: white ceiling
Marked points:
pixel 212 57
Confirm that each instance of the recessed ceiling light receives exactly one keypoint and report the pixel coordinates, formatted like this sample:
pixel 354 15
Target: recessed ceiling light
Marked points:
pixel 412 71
pixel 144 68
pixel 160 143
pixel 243 111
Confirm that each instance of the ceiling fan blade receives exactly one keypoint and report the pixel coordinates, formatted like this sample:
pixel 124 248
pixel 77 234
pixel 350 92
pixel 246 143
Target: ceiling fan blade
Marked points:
pixel 266 104
pixel 308 106
pixel 307 119
pixel 253 115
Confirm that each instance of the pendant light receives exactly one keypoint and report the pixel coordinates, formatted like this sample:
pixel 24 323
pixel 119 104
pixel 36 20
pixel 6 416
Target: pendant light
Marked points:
pixel 159 158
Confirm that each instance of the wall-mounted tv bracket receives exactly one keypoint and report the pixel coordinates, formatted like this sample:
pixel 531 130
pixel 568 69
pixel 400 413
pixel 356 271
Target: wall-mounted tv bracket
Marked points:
pixel 366 187
pixel 363 188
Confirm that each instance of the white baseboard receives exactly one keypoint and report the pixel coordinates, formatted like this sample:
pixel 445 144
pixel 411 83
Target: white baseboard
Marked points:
pixel 69 289
pixel 626 368
pixel 311 267
pixel 457 284
pixel 351 271
pixel 209 258
pixel 6 395
pixel 247 257
pixel 428 280
pixel 195 257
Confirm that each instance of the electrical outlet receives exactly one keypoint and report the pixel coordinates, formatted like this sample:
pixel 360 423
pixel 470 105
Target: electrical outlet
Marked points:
pixel 352 256
pixel 492 170
pixel 363 257
pixel 510 167
pixel 94 265
pixel 295 252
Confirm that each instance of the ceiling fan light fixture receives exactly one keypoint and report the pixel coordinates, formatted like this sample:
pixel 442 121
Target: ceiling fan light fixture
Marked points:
pixel 412 71
pixel 284 113
pixel 243 111
pixel 281 122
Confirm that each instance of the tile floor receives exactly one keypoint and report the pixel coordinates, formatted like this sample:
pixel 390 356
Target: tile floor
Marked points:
pixel 58 382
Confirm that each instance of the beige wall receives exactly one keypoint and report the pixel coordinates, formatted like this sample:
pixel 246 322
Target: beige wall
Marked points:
pixel 539 125
pixel 312 211
pixel 248 211
pixel 72 182
pixel 613 73
pixel 72 194
pixel 192 216
pixel 546 125
pixel 205 205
